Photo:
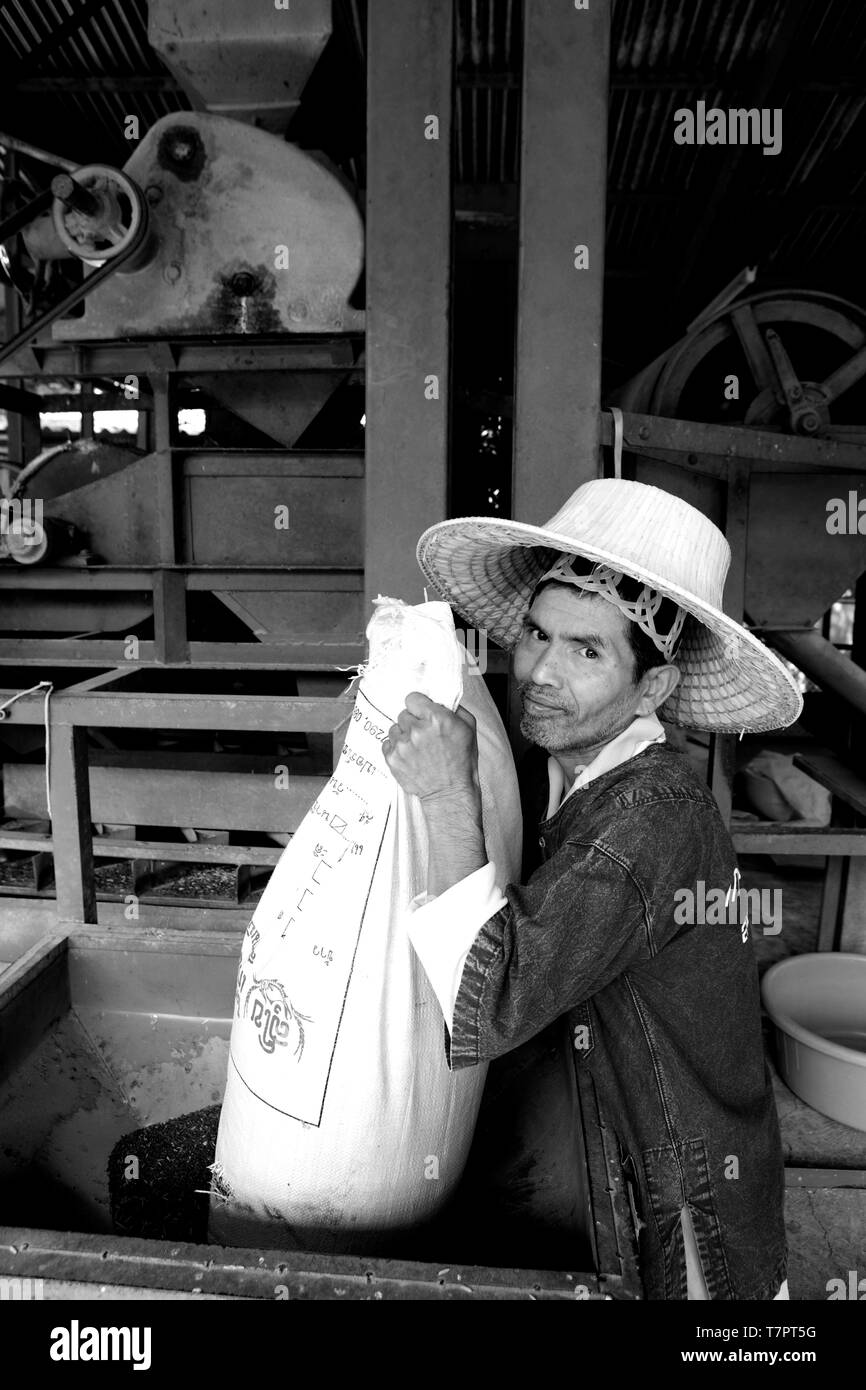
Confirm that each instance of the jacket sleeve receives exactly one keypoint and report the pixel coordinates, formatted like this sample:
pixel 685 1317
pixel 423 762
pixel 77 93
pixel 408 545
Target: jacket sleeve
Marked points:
pixel 579 922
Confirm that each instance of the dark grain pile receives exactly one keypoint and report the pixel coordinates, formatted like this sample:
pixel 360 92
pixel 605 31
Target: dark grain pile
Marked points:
pixel 168 1199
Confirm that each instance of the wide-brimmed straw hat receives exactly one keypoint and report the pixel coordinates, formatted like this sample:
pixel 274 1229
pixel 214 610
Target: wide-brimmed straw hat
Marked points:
pixel 487 568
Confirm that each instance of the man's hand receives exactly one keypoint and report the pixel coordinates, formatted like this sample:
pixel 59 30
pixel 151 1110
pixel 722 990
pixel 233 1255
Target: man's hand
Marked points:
pixel 434 754
pixel 430 751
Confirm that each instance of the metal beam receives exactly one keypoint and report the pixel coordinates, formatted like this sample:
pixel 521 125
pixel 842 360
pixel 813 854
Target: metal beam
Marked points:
pixel 116 359
pixel 161 1268
pixel 650 434
pixel 202 852
pixel 409 84
pixel 277 656
pixel 71 830
pixel 136 710
pixel 562 207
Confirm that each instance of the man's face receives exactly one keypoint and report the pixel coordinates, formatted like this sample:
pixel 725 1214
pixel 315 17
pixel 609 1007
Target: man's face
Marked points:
pixel 574 668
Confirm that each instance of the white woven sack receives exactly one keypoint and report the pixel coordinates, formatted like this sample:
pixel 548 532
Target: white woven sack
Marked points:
pixel 341 1124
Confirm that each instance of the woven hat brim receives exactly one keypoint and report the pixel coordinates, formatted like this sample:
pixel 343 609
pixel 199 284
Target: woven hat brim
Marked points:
pixel 487 568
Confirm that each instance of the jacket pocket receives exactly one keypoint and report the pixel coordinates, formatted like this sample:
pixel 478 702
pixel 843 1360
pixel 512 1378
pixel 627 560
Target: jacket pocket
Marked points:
pixel 677 1177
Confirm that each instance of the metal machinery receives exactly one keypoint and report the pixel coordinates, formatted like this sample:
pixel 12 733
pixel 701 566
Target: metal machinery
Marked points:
pixel 217 265
pixel 777 381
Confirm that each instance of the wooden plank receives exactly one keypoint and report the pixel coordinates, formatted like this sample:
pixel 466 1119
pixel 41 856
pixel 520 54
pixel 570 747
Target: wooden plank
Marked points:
pixel 134 710
pixel 831 899
pixel 207 800
pixel 299 763
pixel 408 284
pixel 202 577
pixel 141 937
pixel 22 915
pixel 562 207
pixel 768 838
pixel 839 779
pixel 277 656
pixel 852 931
pixel 825 1177
pixel 71 824
pixel 200 852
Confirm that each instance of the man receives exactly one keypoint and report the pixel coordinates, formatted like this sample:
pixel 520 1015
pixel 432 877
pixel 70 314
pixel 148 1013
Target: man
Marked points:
pixel 613 611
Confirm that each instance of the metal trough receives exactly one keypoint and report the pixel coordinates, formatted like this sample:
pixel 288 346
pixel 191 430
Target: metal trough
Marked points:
pixel 103 1031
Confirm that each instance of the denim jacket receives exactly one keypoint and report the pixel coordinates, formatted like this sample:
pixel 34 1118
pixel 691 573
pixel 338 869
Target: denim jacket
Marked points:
pixel 665 1015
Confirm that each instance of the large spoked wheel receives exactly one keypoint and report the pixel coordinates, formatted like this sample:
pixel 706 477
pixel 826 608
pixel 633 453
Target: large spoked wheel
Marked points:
pixel 788 361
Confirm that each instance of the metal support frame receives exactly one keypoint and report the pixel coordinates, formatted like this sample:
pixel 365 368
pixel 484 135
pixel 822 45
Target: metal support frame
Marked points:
pixel 71 829
pixel 184 355
pixel 72 712
pixel 557 392
pixel 714 448
pixel 166 365
pixel 409 87
pixel 562 206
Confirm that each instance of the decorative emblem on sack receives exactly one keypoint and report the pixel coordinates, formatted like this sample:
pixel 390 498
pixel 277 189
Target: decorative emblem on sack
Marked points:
pixel 273 1015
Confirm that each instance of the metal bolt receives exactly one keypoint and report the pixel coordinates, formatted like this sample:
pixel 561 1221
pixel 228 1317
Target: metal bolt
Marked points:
pixel 809 423
pixel 173 272
pixel 643 432
pixel 181 150
pixel 796 393
pixel 243 284
pixel 73 196
pixel 153 193
pixel 692 458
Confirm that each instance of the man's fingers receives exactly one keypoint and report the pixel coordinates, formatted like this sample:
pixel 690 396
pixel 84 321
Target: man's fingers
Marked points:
pixel 421 705
pixel 407 721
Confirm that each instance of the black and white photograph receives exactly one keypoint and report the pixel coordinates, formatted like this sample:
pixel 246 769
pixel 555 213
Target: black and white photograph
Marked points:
pixel 432 669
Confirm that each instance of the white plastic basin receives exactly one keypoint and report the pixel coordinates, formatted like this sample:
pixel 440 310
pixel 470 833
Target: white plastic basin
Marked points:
pixel 818 1005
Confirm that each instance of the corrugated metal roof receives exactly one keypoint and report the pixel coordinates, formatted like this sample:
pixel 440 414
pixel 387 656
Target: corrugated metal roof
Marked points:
pixel 487 99
pixel 56 42
pixel 684 215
